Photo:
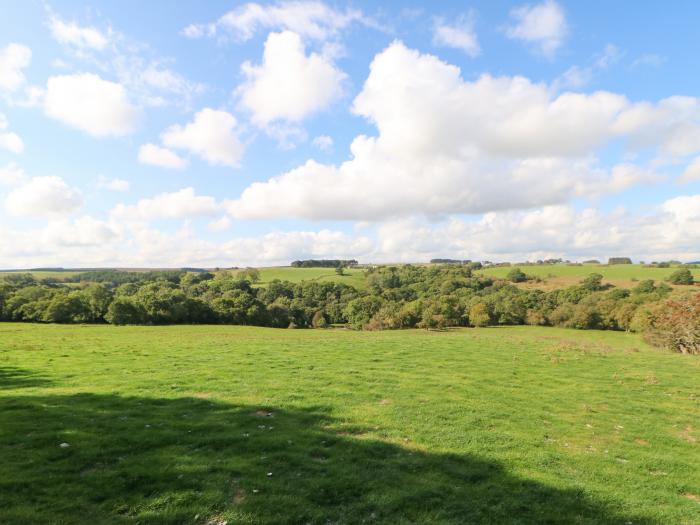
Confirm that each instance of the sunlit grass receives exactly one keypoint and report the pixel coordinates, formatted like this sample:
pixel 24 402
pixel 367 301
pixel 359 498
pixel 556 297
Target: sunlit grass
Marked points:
pixel 197 424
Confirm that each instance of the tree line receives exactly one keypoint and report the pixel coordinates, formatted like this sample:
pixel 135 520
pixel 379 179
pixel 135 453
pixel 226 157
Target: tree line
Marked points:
pixel 408 296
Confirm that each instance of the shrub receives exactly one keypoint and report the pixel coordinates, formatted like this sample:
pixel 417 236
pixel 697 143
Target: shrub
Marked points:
pixel 516 275
pixel 681 276
pixel 676 325
pixel 479 315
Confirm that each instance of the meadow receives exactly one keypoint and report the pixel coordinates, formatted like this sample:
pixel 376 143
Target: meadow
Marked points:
pixel 230 424
pixel 560 275
pixel 351 276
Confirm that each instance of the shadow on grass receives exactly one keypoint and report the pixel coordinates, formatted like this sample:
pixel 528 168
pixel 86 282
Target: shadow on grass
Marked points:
pixel 191 460
pixel 11 378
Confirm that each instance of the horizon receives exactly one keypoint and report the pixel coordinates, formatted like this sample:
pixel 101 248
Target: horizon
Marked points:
pixel 253 134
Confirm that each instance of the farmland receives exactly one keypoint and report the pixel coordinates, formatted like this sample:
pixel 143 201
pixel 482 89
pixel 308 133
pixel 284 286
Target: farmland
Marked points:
pixel 207 424
pixel 560 275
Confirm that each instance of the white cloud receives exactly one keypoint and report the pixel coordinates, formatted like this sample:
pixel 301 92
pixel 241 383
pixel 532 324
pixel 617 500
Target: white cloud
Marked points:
pixel 219 225
pixel 288 85
pixel 13 59
pixel 81 232
pixel 323 142
pixel 212 135
pixel 11 175
pixel 446 146
pixel 43 196
pixel 542 25
pixel 460 35
pixel 87 102
pixel 669 231
pixel 673 123
pixel 159 156
pixel 692 171
pixel 148 77
pixel 310 19
pixel 577 77
pixel 181 204
pixel 9 141
pixel 70 33
pixel 113 184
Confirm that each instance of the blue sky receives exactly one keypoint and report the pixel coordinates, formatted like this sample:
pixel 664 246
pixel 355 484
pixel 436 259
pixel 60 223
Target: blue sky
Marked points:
pixel 231 133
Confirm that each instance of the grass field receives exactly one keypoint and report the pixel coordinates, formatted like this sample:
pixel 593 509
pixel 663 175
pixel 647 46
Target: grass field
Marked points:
pixel 565 275
pixel 214 424
pixel 354 276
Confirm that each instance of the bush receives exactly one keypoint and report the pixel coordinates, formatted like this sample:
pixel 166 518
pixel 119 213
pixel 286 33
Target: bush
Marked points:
pixel 676 325
pixel 479 315
pixel 681 276
pixel 516 275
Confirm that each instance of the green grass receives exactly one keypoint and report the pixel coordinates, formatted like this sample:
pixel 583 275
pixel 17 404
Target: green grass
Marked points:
pixel 354 276
pixel 44 274
pixel 183 424
pixel 618 274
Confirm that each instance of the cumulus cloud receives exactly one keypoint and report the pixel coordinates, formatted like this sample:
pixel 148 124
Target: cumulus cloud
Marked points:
pixel 310 19
pixel 460 35
pixel 80 232
pixel 43 196
pixel 82 37
pixel 160 156
pixel 288 85
pixel 446 145
pixel 180 204
pixel 87 102
pixel 9 141
pixel 219 225
pixel 670 230
pixel 673 123
pixel 13 59
pixel 541 25
pixel 212 135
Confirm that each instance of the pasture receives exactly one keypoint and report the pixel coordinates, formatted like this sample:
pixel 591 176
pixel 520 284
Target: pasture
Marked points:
pixel 216 424
pixel 561 275
pixel 352 276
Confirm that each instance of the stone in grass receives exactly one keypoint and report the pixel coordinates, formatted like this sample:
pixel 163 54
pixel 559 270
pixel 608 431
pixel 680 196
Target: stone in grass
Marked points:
pixel 64 445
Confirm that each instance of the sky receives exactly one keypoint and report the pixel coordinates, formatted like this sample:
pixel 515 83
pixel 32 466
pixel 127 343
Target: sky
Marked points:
pixel 221 133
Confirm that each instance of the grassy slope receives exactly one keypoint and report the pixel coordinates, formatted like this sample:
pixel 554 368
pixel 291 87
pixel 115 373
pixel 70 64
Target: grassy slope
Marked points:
pixel 502 425
pixel 564 275
pixel 353 277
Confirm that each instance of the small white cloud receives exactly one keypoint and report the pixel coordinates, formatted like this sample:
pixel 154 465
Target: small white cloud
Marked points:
pixel 81 37
pixel 649 59
pixel 542 25
pixel 212 135
pixel 113 184
pixel 13 59
pixel 323 142
pixel 219 225
pixel 460 35
pixel 159 156
pixel 311 19
pixel 9 141
pixel 43 196
pixel 288 85
pixel 87 102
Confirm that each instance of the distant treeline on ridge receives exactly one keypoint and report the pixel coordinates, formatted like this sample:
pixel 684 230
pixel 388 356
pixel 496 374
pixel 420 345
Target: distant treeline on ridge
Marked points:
pixel 324 263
